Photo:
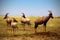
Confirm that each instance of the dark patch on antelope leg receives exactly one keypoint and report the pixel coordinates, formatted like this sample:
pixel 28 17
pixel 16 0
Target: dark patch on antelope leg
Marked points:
pixel 45 27
pixel 36 25
pixel 29 24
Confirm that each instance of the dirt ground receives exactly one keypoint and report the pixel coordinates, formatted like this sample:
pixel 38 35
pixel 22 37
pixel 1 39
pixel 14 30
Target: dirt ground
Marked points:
pixel 35 36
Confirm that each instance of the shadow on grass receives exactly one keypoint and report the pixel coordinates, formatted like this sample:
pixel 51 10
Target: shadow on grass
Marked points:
pixel 34 34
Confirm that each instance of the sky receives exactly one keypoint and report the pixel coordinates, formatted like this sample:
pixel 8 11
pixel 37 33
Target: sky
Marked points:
pixel 30 7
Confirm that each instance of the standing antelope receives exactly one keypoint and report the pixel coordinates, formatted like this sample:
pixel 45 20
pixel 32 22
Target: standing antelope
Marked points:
pixel 11 22
pixel 14 25
pixel 43 20
pixel 8 20
pixel 25 20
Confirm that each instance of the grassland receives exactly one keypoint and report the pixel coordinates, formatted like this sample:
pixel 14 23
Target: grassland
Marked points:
pixel 53 30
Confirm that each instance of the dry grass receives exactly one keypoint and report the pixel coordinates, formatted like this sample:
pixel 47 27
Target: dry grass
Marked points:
pixel 53 30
